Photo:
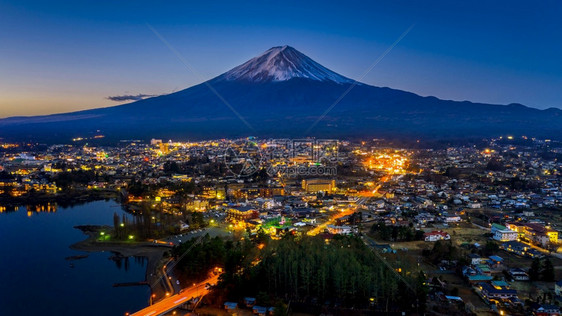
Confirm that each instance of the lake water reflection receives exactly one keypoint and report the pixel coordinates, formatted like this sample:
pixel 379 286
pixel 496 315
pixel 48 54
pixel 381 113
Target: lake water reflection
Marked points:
pixel 35 277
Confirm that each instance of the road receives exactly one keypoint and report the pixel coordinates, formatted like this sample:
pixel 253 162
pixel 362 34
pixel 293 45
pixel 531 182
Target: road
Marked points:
pixel 166 269
pixel 542 250
pixel 170 303
pixel 166 279
pixel 320 228
pixel 348 211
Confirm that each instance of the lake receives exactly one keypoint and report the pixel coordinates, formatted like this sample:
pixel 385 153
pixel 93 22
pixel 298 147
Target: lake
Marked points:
pixel 35 277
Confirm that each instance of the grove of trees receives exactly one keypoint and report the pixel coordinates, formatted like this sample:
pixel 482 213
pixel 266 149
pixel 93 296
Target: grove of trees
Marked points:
pixel 342 269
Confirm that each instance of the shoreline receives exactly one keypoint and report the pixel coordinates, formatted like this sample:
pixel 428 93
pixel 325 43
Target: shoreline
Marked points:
pixel 154 254
pixel 64 199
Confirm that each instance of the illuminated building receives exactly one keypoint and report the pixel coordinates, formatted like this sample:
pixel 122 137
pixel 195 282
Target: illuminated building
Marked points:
pixel 241 213
pixel 339 230
pixel 534 232
pixel 199 205
pixel 436 235
pixel 8 183
pixel 154 142
pixel 164 148
pixel 491 292
pixel 505 235
pixel 270 192
pixel 318 185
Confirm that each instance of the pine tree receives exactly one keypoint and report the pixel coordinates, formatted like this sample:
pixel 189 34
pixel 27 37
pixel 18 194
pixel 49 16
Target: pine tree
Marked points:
pixel 548 271
pixel 534 271
pixel 116 224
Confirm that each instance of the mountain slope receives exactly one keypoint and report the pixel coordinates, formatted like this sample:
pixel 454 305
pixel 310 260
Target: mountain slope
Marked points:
pixel 281 93
pixel 282 63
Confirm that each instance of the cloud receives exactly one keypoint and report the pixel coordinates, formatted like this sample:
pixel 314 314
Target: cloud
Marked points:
pixel 122 98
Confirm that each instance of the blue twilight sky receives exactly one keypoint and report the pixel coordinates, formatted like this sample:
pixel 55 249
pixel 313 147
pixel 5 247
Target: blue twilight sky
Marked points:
pixel 58 56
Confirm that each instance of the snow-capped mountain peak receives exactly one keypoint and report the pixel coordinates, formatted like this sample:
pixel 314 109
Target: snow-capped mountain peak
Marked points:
pixel 282 63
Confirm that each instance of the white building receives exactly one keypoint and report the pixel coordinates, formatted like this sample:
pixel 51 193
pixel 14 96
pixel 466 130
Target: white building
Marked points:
pixel 436 235
pixel 505 235
pixel 339 230
pixel 451 219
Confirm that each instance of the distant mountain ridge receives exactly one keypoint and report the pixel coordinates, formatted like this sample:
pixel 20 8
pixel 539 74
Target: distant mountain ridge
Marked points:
pixel 281 93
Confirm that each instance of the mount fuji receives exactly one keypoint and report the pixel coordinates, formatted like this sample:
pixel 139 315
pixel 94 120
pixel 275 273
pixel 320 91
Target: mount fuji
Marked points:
pixel 284 93
pixel 282 63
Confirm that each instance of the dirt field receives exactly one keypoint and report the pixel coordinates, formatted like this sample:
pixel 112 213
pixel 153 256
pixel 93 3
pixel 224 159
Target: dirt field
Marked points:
pixel 468 234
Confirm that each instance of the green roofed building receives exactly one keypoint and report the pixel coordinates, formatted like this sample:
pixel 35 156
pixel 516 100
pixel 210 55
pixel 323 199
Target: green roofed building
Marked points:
pixel 496 227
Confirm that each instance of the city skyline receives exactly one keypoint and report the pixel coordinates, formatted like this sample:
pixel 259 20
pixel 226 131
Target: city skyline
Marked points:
pixel 61 58
pixel 393 157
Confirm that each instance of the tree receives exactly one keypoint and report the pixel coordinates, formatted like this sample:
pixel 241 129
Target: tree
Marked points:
pixel 548 271
pixel 534 271
pixel 280 309
pixel 421 292
pixel 490 248
pixel 116 225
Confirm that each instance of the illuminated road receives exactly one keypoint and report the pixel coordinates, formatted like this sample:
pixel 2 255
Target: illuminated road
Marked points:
pixel 320 228
pixel 542 250
pixel 170 303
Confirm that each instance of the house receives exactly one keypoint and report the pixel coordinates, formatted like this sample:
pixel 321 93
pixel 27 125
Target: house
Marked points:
pixel 545 310
pixel 499 283
pixel 474 258
pixel 451 218
pixel 436 235
pixel 479 278
pixel 491 292
pixel 456 299
pixel 495 261
pixel 467 270
pixel 249 301
pixel 518 274
pixel 515 247
pixel 533 253
pixel 483 269
pixel 230 305
pixel 475 205
pixel 259 310
pixel 424 218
